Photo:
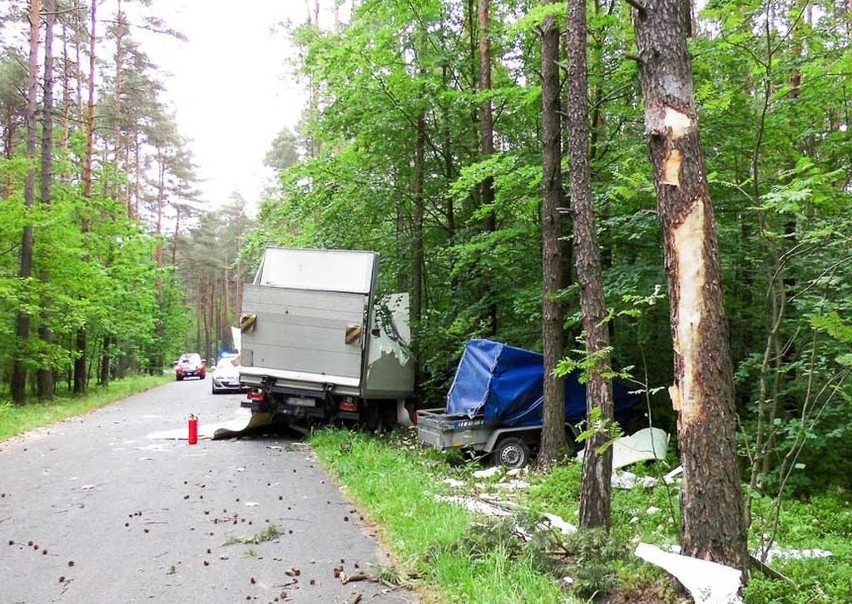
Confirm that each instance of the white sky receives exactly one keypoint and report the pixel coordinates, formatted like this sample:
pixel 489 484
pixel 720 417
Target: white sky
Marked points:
pixel 232 87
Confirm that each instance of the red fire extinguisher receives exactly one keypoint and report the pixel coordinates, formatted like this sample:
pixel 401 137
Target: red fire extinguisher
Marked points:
pixel 193 430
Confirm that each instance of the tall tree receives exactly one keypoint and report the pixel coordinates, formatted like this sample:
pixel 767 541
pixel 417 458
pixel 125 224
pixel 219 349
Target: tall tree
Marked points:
pixel 595 496
pixel 44 376
pixel 552 316
pixel 714 525
pixel 18 381
pixel 80 376
pixel 486 136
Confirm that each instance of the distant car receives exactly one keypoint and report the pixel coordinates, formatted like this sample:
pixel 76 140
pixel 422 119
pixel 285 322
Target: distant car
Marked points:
pixel 190 365
pixel 226 377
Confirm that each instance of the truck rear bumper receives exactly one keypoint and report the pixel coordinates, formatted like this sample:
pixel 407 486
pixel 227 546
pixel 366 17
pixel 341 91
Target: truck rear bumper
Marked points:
pixel 286 381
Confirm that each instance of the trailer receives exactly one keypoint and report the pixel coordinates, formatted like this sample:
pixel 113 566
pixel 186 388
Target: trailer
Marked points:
pixel 319 344
pixel 494 405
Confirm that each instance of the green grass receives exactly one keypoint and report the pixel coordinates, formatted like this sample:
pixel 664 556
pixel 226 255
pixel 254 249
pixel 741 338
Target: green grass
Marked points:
pixel 17 419
pixel 396 486
pixel 460 557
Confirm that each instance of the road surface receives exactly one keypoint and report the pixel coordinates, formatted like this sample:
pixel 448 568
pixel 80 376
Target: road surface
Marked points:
pixel 102 508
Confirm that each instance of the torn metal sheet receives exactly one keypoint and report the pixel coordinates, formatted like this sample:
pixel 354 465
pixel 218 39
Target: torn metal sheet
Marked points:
pixel 645 445
pixel 707 582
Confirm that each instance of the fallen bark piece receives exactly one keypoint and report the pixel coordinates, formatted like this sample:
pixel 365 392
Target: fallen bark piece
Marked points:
pixel 344 578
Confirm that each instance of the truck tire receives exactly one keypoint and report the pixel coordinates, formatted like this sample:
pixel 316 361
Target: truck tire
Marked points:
pixel 511 452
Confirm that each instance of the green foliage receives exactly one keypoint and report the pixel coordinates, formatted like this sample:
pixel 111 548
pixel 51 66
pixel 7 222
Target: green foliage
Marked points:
pixel 486 560
pixel 772 104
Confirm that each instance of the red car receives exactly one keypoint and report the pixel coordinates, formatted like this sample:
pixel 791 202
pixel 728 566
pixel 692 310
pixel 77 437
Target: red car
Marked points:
pixel 190 365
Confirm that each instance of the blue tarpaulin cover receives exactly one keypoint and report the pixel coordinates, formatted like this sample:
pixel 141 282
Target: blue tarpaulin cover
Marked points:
pixel 506 385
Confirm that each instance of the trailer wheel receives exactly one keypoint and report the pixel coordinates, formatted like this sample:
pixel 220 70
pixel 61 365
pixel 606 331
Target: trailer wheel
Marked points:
pixel 511 452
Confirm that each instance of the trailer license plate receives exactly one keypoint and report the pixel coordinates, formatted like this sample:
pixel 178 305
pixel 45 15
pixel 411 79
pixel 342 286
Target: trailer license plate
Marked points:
pixel 301 402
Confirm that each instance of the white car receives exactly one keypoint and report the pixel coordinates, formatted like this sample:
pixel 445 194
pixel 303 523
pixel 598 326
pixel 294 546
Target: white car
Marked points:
pixel 226 377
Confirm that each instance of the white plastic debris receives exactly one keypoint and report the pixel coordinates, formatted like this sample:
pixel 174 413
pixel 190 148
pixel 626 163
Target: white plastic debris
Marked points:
pixel 628 480
pixel 652 510
pixel 707 582
pixel 513 485
pixel 670 477
pixel 644 445
pixel 557 522
pixel 795 554
pixel 488 472
pixel 474 505
pixel 454 483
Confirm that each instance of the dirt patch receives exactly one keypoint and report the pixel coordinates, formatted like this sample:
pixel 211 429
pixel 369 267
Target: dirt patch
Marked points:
pixel 658 591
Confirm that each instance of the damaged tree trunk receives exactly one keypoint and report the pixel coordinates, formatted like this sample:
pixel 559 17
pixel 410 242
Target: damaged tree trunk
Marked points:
pixel 714 526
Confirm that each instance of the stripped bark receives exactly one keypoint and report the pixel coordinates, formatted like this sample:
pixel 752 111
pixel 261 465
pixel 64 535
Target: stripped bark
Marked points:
pixel 714 524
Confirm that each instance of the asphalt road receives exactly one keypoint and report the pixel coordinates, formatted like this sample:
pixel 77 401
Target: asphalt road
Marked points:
pixel 96 510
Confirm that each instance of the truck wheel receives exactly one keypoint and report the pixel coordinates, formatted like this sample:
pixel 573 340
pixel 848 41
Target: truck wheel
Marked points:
pixel 512 453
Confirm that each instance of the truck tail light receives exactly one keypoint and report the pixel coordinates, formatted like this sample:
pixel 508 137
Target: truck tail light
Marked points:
pixel 348 405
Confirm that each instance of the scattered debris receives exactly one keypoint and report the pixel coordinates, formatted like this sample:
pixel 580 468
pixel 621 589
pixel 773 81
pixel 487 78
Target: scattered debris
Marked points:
pixel 475 505
pixel 456 484
pixel 707 582
pixel 795 554
pixel 645 445
pixel 488 472
pixel 558 523
pixel 628 480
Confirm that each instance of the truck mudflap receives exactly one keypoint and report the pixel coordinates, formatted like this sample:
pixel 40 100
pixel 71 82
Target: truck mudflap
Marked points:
pixel 255 421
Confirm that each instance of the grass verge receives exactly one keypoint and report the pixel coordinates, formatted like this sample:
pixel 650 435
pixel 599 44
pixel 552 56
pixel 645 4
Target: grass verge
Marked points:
pixel 17 419
pixel 463 557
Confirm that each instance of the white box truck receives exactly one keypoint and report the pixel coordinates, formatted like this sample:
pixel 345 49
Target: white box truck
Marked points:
pixel 317 343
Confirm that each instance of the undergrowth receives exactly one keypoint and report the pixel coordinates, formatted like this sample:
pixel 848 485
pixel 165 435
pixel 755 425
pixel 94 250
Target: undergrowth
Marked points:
pixel 400 484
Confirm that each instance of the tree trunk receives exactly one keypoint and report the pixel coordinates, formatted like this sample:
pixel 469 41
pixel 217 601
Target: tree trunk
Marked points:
pixel 595 494
pixel 486 136
pixel 18 379
pixel 80 377
pixel 44 376
pixel 106 361
pixel 714 526
pixel 80 363
pixel 419 202
pixel 553 431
